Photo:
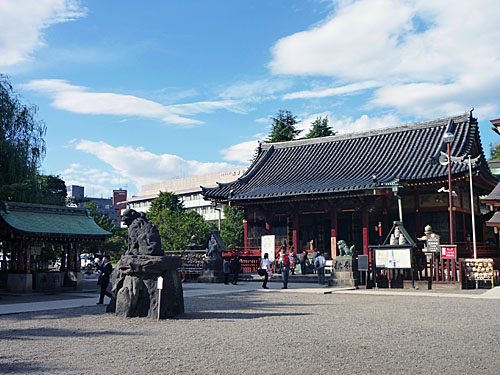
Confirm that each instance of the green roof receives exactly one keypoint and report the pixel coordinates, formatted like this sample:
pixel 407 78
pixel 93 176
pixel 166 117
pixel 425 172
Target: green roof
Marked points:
pixel 49 221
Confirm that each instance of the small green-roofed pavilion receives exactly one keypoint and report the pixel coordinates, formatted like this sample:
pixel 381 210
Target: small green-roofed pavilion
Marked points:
pixel 26 228
pixel 37 220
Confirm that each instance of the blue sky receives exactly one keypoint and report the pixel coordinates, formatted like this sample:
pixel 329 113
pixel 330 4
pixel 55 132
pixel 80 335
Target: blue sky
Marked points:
pixel 140 92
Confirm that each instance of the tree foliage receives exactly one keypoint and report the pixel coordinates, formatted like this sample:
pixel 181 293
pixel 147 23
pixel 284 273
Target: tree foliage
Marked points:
pixel 176 225
pixel 320 128
pixel 283 127
pixel 113 246
pixel 232 230
pixel 494 151
pixel 22 146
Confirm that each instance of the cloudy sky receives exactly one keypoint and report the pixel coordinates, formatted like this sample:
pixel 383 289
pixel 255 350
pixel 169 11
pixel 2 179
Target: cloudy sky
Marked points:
pixel 140 92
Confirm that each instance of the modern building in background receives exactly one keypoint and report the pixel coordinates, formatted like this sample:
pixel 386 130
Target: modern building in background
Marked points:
pixel 189 191
pixel 104 205
pixel 119 202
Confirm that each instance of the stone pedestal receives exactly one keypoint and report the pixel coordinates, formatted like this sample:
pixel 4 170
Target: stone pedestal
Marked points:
pixel 345 272
pixel 20 282
pixel 212 272
pixel 46 281
pixel 136 290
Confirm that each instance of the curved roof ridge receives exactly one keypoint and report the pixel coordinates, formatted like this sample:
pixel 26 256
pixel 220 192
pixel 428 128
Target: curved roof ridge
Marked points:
pixel 466 116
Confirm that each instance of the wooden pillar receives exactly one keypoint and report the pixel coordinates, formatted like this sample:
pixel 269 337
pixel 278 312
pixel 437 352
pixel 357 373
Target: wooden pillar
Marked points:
pixel 77 256
pixel 245 234
pixel 333 232
pixel 63 259
pixel 27 256
pixel 295 231
pixel 366 238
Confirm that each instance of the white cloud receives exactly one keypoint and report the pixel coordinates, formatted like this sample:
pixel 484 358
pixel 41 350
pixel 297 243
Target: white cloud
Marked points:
pixel 141 167
pixel 22 23
pixel 262 120
pixel 255 90
pixel 241 152
pixel 322 93
pixel 363 123
pixel 78 99
pixel 97 182
pixel 431 57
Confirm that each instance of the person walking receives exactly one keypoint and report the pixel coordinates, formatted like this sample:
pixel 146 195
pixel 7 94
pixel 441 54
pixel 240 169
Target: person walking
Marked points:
pixel 226 269
pixel 303 262
pixel 266 266
pixel 285 268
pixel 320 263
pixel 105 270
pixel 236 266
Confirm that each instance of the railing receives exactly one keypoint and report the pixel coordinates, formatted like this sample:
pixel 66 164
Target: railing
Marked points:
pixel 484 250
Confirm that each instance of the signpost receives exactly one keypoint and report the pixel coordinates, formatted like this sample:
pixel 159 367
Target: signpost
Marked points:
pixel 160 287
pixel 433 243
pixel 448 251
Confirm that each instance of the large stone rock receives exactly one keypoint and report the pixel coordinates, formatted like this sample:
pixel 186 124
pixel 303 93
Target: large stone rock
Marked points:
pixel 136 289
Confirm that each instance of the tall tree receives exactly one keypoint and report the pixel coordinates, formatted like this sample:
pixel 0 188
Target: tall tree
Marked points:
pixel 320 128
pixel 231 229
pixel 22 146
pixel 176 225
pixel 283 127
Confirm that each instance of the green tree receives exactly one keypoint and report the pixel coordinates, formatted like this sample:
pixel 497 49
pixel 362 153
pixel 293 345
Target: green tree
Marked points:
pixel 52 190
pixel 320 128
pixel 494 151
pixel 283 127
pixel 113 246
pixel 176 225
pixel 231 229
pixel 165 200
pixel 22 146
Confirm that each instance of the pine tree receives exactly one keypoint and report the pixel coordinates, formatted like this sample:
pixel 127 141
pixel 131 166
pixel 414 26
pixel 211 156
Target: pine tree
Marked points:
pixel 320 128
pixel 283 127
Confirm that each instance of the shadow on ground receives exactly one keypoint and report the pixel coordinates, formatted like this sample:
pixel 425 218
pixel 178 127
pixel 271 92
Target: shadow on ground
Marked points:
pixel 37 333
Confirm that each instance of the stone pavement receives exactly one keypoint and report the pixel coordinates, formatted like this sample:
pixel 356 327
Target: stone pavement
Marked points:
pixel 39 302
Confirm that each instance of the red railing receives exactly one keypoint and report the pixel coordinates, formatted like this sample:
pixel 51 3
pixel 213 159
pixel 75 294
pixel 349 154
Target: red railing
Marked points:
pixel 484 250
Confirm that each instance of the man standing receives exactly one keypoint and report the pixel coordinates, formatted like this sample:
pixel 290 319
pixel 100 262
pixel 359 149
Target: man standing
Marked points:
pixel 320 263
pixel 235 265
pixel 105 270
pixel 226 269
pixel 285 268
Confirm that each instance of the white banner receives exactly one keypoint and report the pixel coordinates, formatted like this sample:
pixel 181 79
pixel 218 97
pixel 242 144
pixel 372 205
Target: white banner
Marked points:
pixel 267 243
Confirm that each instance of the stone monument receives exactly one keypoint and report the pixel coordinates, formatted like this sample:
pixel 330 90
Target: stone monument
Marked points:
pixel 212 265
pixel 345 269
pixel 135 279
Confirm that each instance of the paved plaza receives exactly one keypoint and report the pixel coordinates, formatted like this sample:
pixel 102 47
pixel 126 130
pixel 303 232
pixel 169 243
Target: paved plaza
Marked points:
pixel 245 330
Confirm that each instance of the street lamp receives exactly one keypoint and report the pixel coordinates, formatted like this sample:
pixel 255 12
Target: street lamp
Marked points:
pixel 448 138
pixel 218 208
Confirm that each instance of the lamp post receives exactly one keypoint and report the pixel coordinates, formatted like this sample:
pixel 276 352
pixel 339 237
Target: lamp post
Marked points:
pixel 217 208
pixel 448 138
pixel 472 209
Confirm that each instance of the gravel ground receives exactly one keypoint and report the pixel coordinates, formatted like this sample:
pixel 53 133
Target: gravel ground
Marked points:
pixel 263 333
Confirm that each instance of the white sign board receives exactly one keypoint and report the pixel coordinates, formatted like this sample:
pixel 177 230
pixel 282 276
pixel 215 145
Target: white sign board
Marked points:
pixel 160 282
pixel 268 246
pixel 393 258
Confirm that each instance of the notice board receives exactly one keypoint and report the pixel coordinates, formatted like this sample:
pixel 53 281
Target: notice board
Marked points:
pixel 393 258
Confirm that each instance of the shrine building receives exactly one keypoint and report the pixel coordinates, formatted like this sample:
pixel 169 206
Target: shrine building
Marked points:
pixel 312 193
pixel 28 232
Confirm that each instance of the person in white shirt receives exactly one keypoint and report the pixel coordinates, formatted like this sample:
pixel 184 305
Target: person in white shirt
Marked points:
pixel 265 265
pixel 320 263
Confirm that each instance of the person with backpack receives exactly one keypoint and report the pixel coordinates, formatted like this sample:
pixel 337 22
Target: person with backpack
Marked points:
pixel 285 268
pixel 319 263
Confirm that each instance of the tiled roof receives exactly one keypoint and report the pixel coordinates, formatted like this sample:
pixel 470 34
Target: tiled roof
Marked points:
pixel 49 221
pixel 358 161
pixel 494 196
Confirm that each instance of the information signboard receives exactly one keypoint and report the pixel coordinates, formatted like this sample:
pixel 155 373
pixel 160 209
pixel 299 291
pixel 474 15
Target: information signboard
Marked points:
pixel 393 258
pixel 268 244
pixel 449 251
pixel 433 243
